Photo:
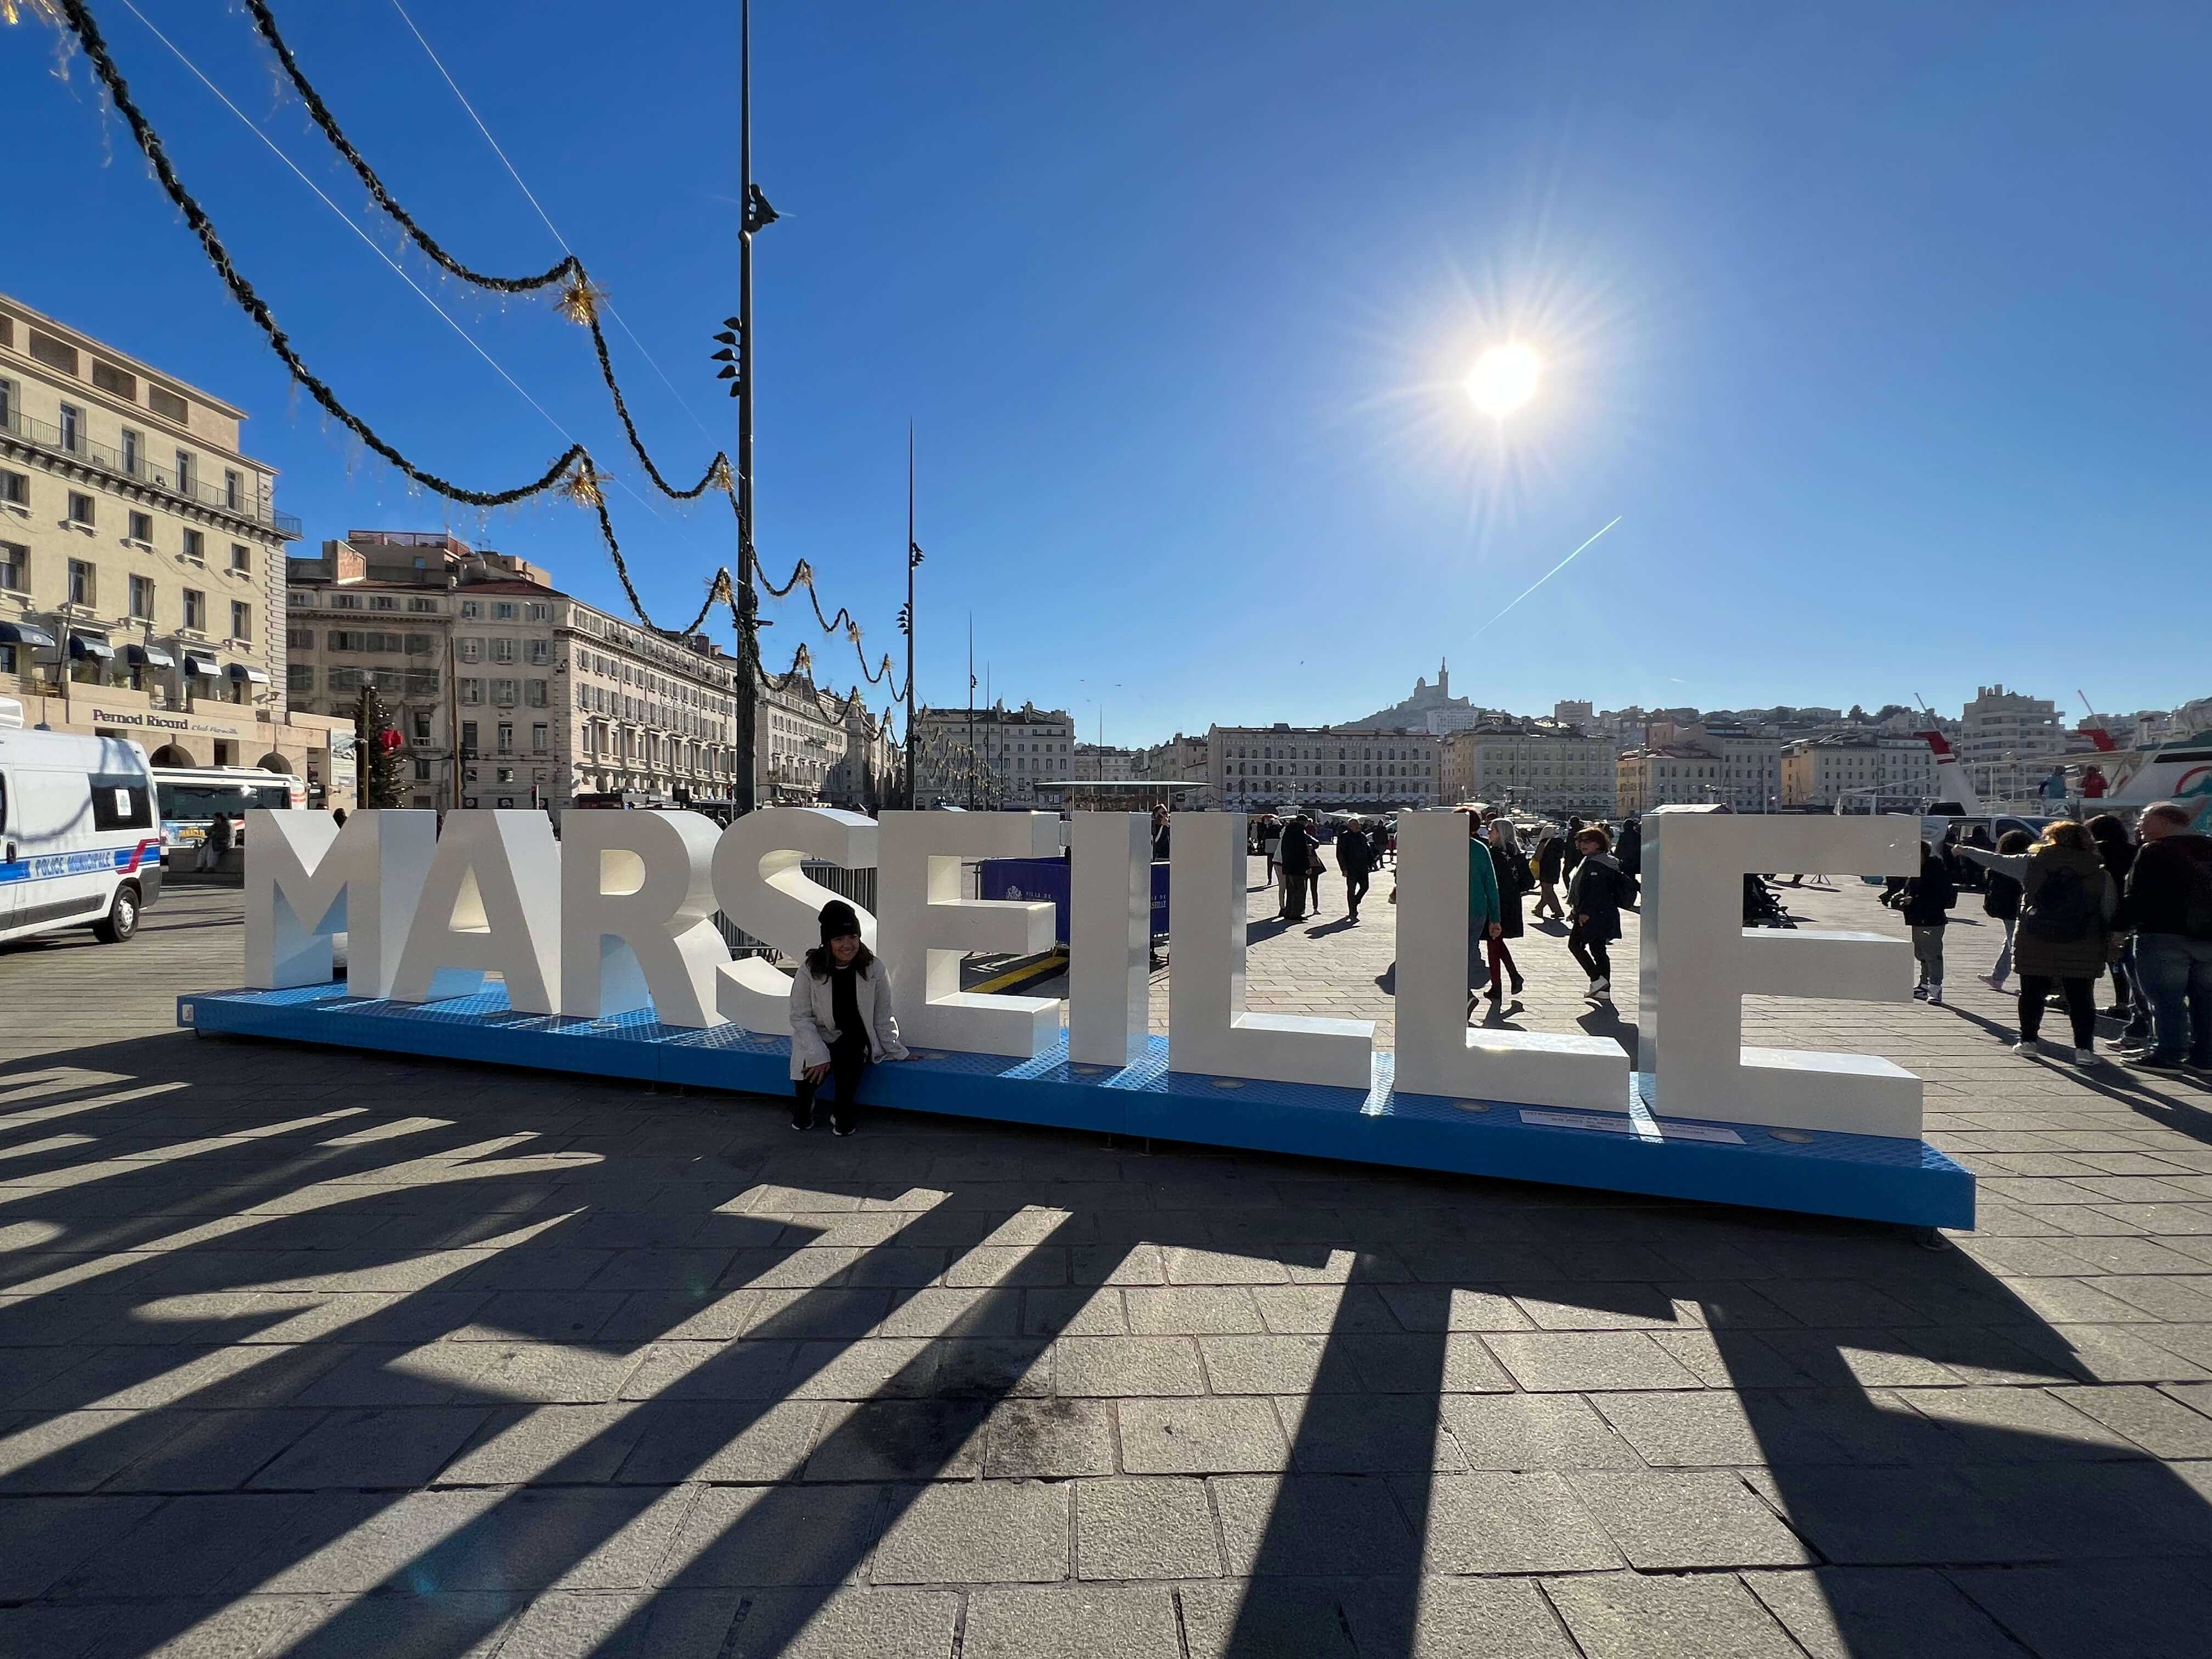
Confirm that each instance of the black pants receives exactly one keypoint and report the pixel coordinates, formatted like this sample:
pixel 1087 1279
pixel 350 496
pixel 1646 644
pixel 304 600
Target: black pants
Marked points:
pixel 1355 889
pixel 848 1059
pixel 2080 1006
pixel 1313 886
pixel 1590 952
pixel 1294 894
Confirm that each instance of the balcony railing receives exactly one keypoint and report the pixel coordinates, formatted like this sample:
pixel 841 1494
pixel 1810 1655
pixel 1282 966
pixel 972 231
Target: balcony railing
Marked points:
pixel 245 505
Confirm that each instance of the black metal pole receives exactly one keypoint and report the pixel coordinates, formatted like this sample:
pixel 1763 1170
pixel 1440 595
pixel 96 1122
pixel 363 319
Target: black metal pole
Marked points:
pixel 749 662
pixel 911 737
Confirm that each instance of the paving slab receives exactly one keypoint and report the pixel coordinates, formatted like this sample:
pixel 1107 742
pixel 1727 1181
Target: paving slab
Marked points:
pixel 1312 1526
pixel 1672 1520
pixel 1053 1438
pixel 1144 1527
pixel 1448 1617
pixel 990 1531
pixel 1621 1616
pixel 1074 1621
pixel 1843 1613
pixel 1493 1523
pixel 1201 1436
pixel 2136 1609
pixel 1534 1431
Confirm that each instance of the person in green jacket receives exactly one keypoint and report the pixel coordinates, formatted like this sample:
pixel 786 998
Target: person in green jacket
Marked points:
pixel 1485 915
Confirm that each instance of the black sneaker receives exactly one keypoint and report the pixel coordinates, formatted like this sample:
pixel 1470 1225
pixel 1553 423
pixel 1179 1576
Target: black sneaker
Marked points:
pixel 842 1127
pixel 802 1117
pixel 2155 1063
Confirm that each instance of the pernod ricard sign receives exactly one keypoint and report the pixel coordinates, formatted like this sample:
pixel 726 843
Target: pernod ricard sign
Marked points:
pixel 617 915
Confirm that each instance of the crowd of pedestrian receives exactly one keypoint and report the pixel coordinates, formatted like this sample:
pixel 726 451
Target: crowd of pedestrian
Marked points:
pixel 1506 863
pixel 2080 902
pixel 2086 900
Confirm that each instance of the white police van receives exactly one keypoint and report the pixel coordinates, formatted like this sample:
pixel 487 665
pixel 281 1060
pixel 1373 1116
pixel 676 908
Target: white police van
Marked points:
pixel 80 844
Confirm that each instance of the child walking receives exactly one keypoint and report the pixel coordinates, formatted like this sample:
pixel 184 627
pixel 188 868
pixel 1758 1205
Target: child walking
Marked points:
pixel 1925 900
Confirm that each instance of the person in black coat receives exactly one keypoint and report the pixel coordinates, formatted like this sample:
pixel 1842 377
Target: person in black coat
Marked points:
pixel 1355 861
pixel 1575 854
pixel 1295 856
pixel 1925 900
pixel 2001 903
pixel 1628 852
pixel 1551 871
pixel 1595 893
pixel 1511 865
pixel 2118 853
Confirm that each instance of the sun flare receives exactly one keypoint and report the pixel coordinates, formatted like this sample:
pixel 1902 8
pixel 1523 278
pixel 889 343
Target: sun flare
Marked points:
pixel 1504 377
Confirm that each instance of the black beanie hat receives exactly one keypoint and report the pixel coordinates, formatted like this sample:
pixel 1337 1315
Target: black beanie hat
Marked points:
pixel 837 919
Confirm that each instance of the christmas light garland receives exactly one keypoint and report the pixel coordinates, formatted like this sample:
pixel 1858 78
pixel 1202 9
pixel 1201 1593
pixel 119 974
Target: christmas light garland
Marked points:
pixel 573 471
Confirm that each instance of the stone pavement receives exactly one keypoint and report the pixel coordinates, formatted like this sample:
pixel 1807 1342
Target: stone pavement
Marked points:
pixel 315 1353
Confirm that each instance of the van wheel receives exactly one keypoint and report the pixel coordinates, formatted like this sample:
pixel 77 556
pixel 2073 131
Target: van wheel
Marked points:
pixel 121 921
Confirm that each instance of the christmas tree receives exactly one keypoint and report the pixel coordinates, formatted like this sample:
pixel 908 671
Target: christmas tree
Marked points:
pixel 376 752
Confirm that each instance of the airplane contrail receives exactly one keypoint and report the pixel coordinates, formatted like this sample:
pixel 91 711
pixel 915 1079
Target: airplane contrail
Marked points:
pixel 1548 574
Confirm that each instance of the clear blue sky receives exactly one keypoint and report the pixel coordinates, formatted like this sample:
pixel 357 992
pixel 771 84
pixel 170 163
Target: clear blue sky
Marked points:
pixel 1884 333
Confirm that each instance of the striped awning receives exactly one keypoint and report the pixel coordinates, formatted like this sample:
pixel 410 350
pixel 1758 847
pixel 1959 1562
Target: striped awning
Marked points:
pixel 83 645
pixel 148 656
pixel 239 671
pixel 23 632
pixel 204 666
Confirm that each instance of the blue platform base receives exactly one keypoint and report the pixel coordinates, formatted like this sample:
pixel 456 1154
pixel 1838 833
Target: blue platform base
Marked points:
pixel 1870 1178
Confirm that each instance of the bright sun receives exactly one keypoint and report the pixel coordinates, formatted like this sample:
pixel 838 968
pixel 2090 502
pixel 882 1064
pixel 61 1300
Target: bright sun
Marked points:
pixel 1504 377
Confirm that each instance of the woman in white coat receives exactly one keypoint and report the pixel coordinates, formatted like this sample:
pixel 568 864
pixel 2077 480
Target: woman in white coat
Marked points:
pixel 841 1019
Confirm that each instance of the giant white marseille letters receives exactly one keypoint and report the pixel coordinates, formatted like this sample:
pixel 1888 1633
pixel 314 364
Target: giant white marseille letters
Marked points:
pixel 928 927
pixel 763 890
pixel 1699 961
pixel 307 879
pixel 637 907
pixel 1208 1029
pixel 1438 1052
pixel 491 904
pixel 1109 937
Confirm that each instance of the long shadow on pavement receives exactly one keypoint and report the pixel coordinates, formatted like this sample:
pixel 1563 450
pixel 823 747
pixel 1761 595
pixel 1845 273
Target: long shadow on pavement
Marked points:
pixel 693 1421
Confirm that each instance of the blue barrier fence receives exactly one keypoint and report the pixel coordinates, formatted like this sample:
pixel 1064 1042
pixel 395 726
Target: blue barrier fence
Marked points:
pixel 1040 879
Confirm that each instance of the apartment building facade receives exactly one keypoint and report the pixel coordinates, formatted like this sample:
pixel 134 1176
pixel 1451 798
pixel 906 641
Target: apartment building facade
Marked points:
pixel 1531 765
pixel 805 745
pixel 994 757
pixel 1749 776
pixel 1669 774
pixel 1180 759
pixel 1891 774
pixel 142 563
pixel 1091 763
pixel 506 692
pixel 873 774
pixel 1270 768
pixel 2007 741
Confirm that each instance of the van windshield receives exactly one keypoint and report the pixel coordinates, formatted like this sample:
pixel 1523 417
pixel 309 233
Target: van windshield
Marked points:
pixel 188 803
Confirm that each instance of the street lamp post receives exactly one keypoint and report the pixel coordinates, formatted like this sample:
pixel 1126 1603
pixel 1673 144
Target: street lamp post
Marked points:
pixel 753 214
pixel 906 616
